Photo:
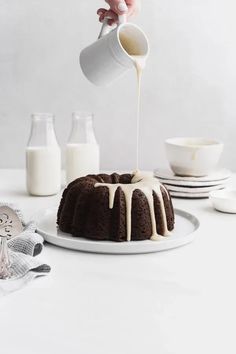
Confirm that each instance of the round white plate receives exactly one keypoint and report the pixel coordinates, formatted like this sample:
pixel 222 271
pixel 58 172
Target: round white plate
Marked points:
pixel 218 177
pixel 197 184
pixel 189 195
pixel 194 190
pixel 186 225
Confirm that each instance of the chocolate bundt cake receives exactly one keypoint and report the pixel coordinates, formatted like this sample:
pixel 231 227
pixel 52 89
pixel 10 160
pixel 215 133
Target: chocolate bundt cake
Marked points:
pixel 116 207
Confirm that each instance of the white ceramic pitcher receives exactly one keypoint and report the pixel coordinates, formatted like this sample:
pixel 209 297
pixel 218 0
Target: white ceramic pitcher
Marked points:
pixel 105 60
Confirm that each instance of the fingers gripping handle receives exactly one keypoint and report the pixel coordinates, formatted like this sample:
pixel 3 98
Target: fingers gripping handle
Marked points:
pixel 106 28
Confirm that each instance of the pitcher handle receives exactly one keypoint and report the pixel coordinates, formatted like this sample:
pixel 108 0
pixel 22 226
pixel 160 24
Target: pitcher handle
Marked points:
pixel 106 28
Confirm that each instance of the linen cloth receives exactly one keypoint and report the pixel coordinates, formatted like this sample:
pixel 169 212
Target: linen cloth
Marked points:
pixel 24 251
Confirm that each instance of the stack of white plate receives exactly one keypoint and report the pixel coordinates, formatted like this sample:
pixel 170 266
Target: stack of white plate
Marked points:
pixel 193 187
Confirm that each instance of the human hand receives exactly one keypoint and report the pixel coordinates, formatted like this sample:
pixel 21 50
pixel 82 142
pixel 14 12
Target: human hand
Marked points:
pixel 118 7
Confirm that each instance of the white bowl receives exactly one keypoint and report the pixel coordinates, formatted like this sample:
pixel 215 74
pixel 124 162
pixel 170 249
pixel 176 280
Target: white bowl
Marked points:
pixel 193 156
pixel 224 200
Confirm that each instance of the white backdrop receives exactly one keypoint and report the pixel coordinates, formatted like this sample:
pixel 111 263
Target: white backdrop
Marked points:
pixel 188 86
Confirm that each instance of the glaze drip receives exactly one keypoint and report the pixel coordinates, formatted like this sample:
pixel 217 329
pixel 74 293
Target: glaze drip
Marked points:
pixel 148 184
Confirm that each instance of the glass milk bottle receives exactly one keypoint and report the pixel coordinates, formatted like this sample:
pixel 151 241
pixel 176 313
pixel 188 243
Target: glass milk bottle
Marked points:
pixel 43 157
pixel 82 150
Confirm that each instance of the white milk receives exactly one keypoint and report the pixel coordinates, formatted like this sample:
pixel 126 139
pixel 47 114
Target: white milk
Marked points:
pixel 43 166
pixel 81 160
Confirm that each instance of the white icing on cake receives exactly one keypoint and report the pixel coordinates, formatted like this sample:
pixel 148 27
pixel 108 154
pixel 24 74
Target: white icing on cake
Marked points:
pixel 148 184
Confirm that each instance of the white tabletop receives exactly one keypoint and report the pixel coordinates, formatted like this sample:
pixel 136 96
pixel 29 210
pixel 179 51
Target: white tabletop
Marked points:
pixel 176 302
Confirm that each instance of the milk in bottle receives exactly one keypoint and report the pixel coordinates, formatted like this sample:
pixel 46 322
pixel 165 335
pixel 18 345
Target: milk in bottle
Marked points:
pixel 43 157
pixel 82 150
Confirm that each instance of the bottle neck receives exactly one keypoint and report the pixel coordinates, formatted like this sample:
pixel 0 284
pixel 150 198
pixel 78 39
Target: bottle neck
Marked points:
pixel 82 131
pixel 42 131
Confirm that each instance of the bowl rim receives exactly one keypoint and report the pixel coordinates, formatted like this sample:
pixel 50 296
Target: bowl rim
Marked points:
pixel 223 194
pixel 179 142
